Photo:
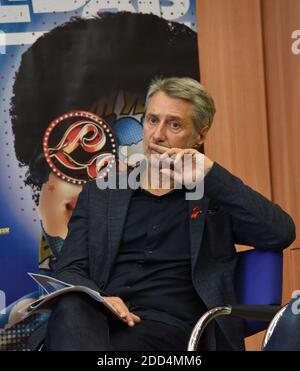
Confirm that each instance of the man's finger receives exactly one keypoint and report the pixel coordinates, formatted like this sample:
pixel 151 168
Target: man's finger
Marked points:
pixel 168 161
pixel 129 319
pixel 158 148
pixel 172 152
pixel 121 308
pixel 135 317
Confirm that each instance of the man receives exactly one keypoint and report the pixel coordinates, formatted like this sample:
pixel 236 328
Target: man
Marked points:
pixel 159 259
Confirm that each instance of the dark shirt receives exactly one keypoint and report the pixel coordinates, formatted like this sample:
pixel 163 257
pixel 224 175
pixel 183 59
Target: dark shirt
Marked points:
pixel 152 271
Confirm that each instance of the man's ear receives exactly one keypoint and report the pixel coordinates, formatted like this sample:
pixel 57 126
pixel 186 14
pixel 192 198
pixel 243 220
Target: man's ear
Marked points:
pixel 201 137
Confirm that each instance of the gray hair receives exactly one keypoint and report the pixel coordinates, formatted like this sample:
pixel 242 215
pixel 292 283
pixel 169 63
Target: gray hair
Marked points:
pixel 190 90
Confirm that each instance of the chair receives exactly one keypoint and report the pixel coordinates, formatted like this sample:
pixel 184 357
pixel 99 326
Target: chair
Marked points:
pixel 258 290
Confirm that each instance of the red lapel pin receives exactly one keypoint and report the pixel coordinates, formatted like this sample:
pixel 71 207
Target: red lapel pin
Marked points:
pixel 196 212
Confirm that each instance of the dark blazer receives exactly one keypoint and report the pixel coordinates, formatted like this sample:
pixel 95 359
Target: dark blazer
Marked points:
pixel 231 213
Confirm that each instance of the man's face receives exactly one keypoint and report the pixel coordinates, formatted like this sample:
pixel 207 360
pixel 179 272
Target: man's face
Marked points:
pixel 168 122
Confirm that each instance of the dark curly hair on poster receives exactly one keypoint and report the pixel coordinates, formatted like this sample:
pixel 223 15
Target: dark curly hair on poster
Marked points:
pixel 83 60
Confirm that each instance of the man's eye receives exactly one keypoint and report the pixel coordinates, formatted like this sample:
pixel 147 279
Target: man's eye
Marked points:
pixel 152 120
pixel 175 125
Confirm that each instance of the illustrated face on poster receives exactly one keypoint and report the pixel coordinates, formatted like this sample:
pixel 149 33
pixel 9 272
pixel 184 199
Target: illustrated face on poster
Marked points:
pixel 102 67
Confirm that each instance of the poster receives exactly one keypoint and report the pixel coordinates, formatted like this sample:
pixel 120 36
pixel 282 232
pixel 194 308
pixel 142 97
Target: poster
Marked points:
pixel 59 58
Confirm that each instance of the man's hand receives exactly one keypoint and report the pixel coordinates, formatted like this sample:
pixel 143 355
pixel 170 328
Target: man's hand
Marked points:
pixel 193 171
pixel 123 310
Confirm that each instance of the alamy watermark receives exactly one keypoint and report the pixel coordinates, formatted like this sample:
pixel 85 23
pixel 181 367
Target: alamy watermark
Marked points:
pixel 296 43
pixel 2 302
pixel 2 42
pixel 180 172
pixel 296 304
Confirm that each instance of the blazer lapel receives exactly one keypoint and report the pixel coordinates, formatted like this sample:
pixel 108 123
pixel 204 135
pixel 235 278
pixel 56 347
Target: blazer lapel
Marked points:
pixel 119 200
pixel 197 211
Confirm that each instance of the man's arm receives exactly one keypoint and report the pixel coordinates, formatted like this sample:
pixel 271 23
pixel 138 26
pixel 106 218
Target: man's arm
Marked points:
pixel 256 221
pixel 72 265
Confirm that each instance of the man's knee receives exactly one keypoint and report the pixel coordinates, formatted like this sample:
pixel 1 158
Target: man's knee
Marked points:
pixel 77 322
pixel 72 306
pixel 70 299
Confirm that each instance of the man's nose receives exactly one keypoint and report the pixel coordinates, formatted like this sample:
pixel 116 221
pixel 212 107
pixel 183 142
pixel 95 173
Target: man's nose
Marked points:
pixel 159 132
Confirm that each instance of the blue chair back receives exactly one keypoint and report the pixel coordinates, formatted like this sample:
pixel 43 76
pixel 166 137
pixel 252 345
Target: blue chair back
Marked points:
pixel 258 282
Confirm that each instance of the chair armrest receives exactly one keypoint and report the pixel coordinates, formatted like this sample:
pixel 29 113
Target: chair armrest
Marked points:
pixel 257 312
